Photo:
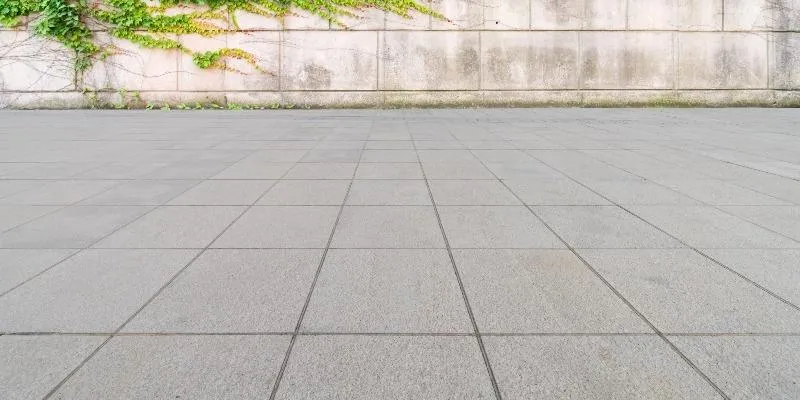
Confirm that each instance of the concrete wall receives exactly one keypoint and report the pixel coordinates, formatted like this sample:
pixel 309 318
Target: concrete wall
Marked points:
pixel 495 52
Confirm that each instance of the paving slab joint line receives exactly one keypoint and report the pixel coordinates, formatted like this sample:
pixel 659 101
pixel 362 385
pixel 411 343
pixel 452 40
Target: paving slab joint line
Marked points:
pixel 693 248
pixel 158 292
pixel 481 345
pixel 296 332
pixel 607 283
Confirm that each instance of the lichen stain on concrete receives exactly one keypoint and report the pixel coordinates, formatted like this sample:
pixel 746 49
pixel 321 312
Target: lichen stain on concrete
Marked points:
pixel 540 67
pixel 314 76
pixel 468 60
pixel 434 63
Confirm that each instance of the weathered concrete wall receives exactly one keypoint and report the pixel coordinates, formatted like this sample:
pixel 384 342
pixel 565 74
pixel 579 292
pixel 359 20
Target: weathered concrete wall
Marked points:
pixel 495 52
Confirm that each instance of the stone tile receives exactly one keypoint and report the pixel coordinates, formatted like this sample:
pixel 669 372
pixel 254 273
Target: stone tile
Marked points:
pixel 523 291
pixel 220 367
pixel 389 171
pixel 241 291
pixel 784 220
pixel 374 367
pixel 59 193
pixel 254 169
pixel 12 216
pixel 223 193
pixel 389 193
pixel 471 192
pixel 603 227
pixel 388 227
pixel 34 365
pixel 281 227
pixel 553 192
pixel 332 156
pixel 495 227
pixel 71 227
pixel 707 227
pixel 141 193
pixel 527 170
pixel 389 145
pixel 190 170
pixel 322 171
pixel 718 192
pixel 387 291
pixel 440 156
pixel 710 298
pixel 601 367
pixel 629 192
pixel 773 269
pixel 306 193
pixel 747 367
pixel 456 170
pixel 174 227
pixel 389 156
pixel 94 291
pixel 8 188
pixel 21 265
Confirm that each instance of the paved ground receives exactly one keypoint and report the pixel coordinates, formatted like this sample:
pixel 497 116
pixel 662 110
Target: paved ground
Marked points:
pixel 463 254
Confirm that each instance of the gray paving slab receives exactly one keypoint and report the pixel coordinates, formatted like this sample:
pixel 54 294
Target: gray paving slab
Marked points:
pixel 631 192
pixel 223 193
pixel 456 170
pixel 708 227
pixel 348 155
pixel 603 227
pixel 13 216
pixel 174 227
pixel 150 367
pixel 522 291
pixel 254 169
pixel 306 193
pixel 377 367
pixel 94 291
pixel 747 367
pixel 387 291
pixel 281 227
pixel 472 192
pixel 717 192
pixel 389 171
pixel 239 291
pixel 59 193
pixel 322 171
pixel 593 367
pixel 710 298
pixel 388 227
pixel 773 269
pixel 31 366
pixel 389 145
pixel 389 156
pixel 71 227
pixel 495 227
pixel 784 220
pixel 20 265
pixel 142 192
pixel 8 188
pixel 389 193
pixel 552 192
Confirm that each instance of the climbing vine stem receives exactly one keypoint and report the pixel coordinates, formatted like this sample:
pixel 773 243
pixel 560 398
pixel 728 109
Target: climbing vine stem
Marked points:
pixel 156 24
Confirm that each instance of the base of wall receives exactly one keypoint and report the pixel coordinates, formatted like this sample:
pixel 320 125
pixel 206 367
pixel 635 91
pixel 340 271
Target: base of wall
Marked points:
pixel 401 99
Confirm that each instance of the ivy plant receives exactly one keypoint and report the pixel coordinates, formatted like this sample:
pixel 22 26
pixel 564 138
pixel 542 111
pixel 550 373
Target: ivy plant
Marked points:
pixel 155 24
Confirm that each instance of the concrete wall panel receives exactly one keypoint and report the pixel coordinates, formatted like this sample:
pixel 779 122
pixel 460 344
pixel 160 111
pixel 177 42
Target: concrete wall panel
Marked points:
pixel 334 60
pixel 529 60
pixel 429 60
pixel 29 63
pixel 627 60
pixel 653 15
pixel 722 60
pixel 505 14
pixel 700 15
pixel 133 68
pixel 748 15
pixel 557 14
pixel 463 14
pixel 785 60
pixel 605 14
pixel 265 47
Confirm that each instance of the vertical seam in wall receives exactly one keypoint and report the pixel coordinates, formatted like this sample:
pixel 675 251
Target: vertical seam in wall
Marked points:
pixel 280 65
pixel 723 14
pixel 675 63
pixel 480 60
pixel 580 63
pixel 627 14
